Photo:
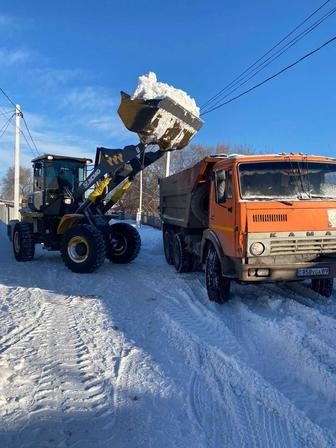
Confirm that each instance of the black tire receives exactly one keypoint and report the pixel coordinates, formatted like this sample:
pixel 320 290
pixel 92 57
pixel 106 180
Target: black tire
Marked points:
pixel 124 243
pixel 182 258
pixel 218 287
pixel 23 242
pixel 167 236
pixel 200 204
pixel 83 248
pixel 323 286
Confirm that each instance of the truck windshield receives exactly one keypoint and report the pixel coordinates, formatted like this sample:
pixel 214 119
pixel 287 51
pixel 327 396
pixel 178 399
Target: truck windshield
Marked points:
pixel 287 180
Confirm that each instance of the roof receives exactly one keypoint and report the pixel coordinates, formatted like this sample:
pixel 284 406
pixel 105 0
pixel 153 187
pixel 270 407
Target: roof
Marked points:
pixel 268 157
pixel 55 157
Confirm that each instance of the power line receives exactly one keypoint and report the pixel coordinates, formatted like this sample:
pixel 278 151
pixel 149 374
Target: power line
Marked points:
pixel 28 144
pixel 5 112
pixel 272 58
pixel 29 133
pixel 213 98
pixel 273 76
pixel 9 99
pixel 24 121
pixel 5 126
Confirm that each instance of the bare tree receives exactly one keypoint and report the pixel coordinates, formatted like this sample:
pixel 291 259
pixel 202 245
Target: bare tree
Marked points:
pixel 180 160
pixel 7 183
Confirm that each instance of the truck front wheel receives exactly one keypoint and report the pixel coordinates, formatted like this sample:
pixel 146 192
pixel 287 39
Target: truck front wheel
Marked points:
pixel 218 287
pixel 323 286
pixel 83 248
pixel 124 243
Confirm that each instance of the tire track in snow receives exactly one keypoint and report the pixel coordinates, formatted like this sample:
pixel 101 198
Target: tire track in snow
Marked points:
pixel 69 389
pixel 242 387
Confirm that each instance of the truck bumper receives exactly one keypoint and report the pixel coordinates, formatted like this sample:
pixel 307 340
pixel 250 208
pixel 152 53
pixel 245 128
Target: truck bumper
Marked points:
pixel 289 272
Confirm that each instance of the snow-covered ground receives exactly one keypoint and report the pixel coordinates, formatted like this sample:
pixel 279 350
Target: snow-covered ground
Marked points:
pixel 135 356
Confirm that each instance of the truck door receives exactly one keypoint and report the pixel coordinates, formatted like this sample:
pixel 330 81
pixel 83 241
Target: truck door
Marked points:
pixel 222 210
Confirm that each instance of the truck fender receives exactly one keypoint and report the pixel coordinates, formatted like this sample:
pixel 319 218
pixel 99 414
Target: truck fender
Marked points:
pixel 210 238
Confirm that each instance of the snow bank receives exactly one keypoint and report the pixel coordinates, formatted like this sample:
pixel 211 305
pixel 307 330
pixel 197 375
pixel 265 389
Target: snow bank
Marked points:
pixel 149 89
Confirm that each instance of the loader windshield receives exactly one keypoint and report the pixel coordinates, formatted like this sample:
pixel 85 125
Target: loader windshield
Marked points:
pixel 287 180
pixel 64 176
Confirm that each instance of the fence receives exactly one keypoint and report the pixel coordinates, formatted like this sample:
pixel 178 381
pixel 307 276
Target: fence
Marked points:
pixel 6 211
pixel 149 219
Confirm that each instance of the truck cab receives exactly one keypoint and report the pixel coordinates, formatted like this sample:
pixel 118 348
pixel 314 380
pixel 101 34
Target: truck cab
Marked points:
pixel 265 218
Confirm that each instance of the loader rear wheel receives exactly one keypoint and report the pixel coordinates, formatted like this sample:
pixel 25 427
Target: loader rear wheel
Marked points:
pixel 323 286
pixel 23 242
pixel 83 248
pixel 182 258
pixel 168 236
pixel 124 243
pixel 218 287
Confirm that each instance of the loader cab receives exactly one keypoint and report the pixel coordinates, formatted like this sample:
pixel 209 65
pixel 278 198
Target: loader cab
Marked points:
pixel 55 182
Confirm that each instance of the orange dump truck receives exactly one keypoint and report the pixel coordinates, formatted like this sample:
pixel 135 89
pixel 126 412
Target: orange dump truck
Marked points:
pixel 250 218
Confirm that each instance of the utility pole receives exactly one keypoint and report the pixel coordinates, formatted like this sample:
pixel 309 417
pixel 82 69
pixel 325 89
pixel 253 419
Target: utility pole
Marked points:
pixel 139 213
pixel 18 115
pixel 168 164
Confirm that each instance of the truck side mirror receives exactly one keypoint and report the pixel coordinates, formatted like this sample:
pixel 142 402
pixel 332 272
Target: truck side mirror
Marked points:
pixel 220 186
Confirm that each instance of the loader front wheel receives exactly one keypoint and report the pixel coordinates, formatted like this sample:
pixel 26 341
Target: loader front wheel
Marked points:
pixel 124 243
pixel 83 248
pixel 218 287
pixel 23 242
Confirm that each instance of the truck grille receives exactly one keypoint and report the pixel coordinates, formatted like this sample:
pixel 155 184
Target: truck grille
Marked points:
pixel 306 245
pixel 269 217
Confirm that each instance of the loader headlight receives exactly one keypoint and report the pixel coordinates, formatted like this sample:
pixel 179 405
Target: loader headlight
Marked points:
pixel 257 248
pixel 67 201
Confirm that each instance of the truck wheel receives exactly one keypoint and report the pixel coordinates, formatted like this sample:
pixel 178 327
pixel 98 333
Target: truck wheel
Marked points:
pixel 218 287
pixel 200 204
pixel 323 286
pixel 182 258
pixel 168 246
pixel 83 248
pixel 23 242
pixel 124 243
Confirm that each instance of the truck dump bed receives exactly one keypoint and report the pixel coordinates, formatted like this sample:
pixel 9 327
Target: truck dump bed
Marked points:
pixel 177 192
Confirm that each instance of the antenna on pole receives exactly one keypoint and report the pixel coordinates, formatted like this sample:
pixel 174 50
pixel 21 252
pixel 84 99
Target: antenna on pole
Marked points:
pixel 18 115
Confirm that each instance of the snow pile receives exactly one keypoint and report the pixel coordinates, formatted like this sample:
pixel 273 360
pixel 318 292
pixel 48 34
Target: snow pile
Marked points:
pixel 149 89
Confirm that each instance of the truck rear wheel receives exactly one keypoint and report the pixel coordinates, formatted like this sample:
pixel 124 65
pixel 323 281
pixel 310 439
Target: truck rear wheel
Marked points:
pixel 124 243
pixel 23 242
pixel 218 287
pixel 323 286
pixel 168 246
pixel 182 258
pixel 83 248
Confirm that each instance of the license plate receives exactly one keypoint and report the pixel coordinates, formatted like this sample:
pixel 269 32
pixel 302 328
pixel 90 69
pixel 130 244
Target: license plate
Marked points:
pixel 312 272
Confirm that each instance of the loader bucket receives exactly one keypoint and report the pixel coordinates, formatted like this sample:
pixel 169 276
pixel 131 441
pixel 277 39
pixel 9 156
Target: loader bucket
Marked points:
pixel 160 121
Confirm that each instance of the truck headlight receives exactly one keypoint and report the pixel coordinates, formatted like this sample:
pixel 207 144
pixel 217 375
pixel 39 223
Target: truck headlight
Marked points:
pixel 257 249
pixel 67 201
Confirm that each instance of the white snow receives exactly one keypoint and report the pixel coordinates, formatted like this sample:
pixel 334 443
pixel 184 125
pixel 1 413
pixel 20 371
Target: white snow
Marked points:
pixel 136 356
pixel 149 88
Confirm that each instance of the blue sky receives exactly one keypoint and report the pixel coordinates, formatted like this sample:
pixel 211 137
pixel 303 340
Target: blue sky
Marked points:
pixel 65 63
